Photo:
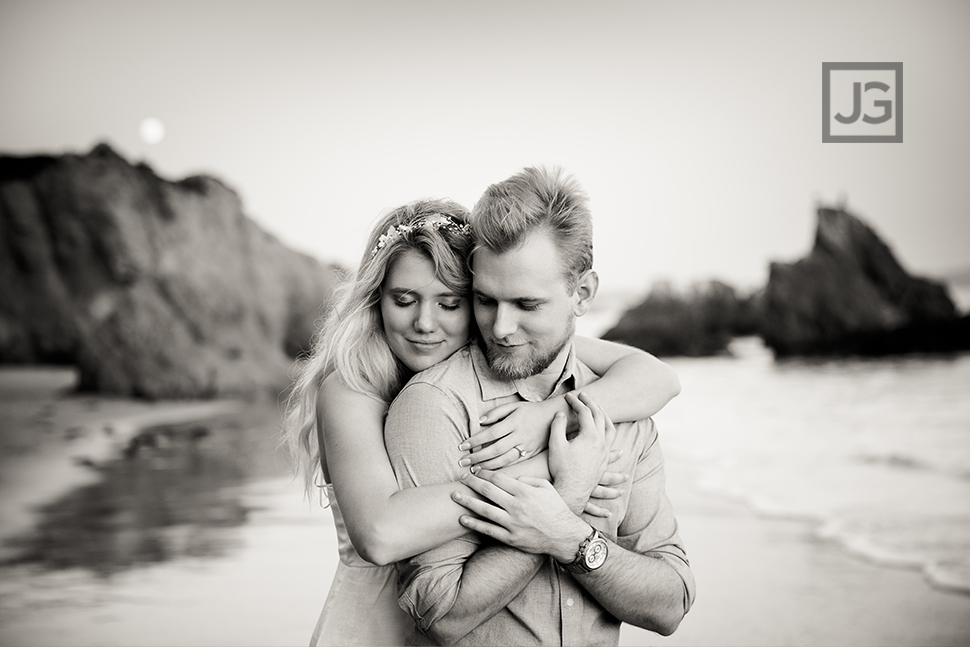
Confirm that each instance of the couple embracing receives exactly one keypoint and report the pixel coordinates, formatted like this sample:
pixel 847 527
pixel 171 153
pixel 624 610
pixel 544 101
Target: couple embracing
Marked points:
pixel 494 479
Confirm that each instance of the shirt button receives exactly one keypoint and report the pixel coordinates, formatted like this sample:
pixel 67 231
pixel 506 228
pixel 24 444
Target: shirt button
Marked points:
pixel 569 602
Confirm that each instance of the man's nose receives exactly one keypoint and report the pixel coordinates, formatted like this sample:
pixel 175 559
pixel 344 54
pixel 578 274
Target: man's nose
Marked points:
pixel 425 321
pixel 505 323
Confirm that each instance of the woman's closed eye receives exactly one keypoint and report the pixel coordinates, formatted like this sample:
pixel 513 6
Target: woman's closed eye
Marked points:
pixel 450 305
pixel 404 303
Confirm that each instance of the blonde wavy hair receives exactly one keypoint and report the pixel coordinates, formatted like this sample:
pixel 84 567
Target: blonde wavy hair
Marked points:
pixel 351 341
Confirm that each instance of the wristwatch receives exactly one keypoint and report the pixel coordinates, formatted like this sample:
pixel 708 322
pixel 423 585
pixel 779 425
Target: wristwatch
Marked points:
pixel 591 555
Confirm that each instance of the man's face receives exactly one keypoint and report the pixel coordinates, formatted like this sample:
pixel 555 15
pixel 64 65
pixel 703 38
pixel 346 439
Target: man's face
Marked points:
pixel 523 305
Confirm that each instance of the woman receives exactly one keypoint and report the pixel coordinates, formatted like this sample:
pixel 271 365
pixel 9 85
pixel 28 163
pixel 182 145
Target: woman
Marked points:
pixel 405 310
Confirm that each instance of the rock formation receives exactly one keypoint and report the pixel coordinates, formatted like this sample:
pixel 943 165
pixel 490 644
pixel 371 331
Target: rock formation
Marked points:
pixel 850 295
pixel 698 323
pixel 152 288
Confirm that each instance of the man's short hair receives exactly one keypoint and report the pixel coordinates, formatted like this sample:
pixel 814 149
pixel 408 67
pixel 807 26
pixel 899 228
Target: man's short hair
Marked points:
pixel 537 198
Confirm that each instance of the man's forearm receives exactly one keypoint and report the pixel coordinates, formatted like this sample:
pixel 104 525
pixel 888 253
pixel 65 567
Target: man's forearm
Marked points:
pixel 491 578
pixel 642 590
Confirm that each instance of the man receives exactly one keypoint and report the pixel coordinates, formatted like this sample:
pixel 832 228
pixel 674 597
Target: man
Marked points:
pixel 532 269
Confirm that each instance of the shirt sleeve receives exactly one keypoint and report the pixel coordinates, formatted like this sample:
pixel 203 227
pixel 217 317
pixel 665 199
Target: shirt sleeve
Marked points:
pixel 649 526
pixel 422 432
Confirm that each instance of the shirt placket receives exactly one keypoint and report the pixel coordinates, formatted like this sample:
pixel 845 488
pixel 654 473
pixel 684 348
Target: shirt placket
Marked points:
pixel 571 610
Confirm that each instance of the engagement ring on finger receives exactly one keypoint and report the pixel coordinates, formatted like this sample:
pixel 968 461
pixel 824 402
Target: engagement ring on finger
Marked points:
pixel 522 452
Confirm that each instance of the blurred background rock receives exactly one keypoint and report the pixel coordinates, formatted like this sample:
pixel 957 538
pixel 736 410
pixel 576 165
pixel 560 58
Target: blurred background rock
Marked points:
pixel 153 288
pixel 849 296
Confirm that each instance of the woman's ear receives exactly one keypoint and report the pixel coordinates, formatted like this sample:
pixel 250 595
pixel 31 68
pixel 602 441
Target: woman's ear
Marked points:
pixel 586 289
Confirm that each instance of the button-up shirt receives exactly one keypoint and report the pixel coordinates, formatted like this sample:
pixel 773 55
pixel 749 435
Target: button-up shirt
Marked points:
pixel 437 411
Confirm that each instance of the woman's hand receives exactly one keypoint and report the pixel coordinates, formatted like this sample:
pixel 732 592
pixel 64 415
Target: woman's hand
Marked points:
pixel 511 427
pixel 606 490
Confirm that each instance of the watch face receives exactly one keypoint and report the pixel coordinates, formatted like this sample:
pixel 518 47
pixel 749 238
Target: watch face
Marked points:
pixel 596 553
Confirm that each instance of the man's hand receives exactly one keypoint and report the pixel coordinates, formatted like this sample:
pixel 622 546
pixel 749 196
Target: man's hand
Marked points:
pixel 526 513
pixel 577 466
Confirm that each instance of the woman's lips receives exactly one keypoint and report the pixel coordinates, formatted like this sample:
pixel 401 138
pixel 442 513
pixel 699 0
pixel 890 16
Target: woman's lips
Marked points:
pixel 426 345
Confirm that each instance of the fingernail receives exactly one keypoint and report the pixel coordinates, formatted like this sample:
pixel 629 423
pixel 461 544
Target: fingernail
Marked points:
pixel 475 469
pixel 608 513
pixel 463 476
pixel 456 496
pixel 560 414
pixel 482 420
pixel 626 476
pixel 464 447
pixel 465 462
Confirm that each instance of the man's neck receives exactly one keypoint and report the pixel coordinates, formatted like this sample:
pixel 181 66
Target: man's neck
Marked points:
pixel 541 385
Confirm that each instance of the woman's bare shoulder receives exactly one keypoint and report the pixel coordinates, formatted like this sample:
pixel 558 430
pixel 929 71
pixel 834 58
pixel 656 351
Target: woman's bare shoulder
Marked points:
pixel 334 391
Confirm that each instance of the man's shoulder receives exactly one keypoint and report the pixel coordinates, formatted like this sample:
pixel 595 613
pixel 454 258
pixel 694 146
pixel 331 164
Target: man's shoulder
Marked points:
pixel 636 439
pixel 453 377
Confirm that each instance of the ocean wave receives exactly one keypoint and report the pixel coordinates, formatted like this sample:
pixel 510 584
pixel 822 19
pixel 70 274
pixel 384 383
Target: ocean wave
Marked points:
pixel 904 462
pixel 939 547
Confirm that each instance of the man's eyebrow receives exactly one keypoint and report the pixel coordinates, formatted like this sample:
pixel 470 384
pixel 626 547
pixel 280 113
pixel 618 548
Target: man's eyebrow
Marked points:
pixel 486 295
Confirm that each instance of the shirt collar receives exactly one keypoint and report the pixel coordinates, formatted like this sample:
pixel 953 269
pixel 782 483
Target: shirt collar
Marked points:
pixel 494 387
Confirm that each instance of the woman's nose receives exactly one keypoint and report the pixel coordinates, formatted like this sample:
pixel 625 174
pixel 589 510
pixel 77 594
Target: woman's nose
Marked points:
pixel 425 321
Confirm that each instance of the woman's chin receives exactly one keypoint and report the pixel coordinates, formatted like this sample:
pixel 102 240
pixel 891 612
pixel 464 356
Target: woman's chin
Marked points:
pixel 420 363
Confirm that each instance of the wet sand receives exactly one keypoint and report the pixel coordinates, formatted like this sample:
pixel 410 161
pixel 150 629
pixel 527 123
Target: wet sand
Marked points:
pixel 51 440
pixel 760 581
pixel 768 581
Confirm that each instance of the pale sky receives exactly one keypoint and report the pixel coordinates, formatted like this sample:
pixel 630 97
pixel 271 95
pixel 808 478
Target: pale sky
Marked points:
pixel 694 127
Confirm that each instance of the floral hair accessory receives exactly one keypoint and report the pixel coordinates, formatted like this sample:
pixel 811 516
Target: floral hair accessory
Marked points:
pixel 435 223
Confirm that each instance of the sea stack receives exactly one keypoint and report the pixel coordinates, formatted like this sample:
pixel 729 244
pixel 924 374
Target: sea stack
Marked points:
pixel 851 296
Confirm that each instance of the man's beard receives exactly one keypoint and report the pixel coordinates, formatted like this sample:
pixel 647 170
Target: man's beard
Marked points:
pixel 509 367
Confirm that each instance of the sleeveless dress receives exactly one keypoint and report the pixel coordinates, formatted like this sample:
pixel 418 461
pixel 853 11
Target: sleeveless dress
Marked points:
pixel 361 608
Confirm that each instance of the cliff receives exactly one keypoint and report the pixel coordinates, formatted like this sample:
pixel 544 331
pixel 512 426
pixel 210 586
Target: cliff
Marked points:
pixel 152 288
pixel 851 295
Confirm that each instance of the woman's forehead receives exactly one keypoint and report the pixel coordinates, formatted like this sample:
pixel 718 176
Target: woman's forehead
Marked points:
pixel 412 271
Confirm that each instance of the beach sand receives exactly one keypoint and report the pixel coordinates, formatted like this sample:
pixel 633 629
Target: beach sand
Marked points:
pixel 760 581
pixel 52 439
pixel 769 581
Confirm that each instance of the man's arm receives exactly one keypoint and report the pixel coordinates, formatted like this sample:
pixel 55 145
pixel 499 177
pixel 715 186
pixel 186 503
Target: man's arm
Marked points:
pixel 645 581
pixel 451 589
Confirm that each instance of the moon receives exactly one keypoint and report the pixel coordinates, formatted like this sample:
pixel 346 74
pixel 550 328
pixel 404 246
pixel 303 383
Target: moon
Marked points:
pixel 152 130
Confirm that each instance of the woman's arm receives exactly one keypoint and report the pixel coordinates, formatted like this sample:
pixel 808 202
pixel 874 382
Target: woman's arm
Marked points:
pixel 385 524
pixel 634 385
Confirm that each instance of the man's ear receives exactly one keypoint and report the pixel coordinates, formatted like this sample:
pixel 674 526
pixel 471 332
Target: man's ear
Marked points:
pixel 586 289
